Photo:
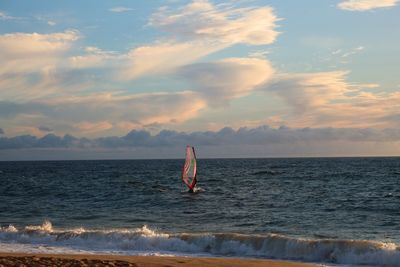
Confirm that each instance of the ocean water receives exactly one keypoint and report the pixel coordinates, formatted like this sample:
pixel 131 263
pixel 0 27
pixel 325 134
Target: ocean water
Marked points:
pixel 342 211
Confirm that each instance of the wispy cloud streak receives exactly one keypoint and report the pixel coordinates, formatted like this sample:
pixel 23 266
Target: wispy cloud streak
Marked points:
pixel 4 16
pixel 120 9
pixel 365 5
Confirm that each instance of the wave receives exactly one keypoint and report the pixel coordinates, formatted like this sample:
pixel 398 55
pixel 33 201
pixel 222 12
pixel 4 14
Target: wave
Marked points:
pixel 145 240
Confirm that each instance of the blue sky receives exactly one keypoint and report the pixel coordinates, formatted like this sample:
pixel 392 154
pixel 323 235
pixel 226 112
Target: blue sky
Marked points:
pixel 96 69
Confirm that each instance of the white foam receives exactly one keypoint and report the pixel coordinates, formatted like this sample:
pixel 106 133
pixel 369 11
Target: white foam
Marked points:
pixel 10 229
pixel 45 227
pixel 145 241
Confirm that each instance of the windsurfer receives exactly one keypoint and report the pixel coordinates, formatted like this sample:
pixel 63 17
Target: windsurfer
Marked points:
pixel 189 170
pixel 193 185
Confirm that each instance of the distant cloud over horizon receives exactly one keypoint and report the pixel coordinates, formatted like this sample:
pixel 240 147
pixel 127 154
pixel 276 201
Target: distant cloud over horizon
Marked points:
pixel 364 5
pixel 226 136
pixel 262 141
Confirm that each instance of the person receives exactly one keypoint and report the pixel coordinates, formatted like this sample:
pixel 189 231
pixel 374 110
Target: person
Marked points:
pixel 193 185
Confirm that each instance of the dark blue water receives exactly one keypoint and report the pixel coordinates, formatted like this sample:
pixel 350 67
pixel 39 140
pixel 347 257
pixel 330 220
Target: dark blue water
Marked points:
pixel 316 199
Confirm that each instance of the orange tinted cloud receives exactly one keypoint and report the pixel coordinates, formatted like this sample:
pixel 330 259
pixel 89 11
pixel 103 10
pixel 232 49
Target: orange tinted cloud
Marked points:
pixel 364 5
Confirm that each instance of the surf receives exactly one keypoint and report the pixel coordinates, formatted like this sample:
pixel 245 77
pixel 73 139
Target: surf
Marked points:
pixel 148 241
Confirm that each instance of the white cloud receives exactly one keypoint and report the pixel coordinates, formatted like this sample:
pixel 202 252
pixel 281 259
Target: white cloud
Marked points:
pixel 201 19
pixel 309 90
pixel 40 77
pixel 23 87
pixel 227 79
pixel 99 112
pixel 364 5
pixel 34 66
pixel 164 57
pixel 353 52
pixel 262 54
pixel 94 57
pixel 37 66
pixel 328 99
pixel 197 30
pixel 22 44
pixel 120 9
pixel 4 16
pixel 33 52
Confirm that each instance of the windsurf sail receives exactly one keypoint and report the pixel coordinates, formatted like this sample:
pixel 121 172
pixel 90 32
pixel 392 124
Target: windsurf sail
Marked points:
pixel 189 170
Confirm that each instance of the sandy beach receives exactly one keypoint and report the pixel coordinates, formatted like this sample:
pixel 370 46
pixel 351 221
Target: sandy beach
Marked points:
pixel 18 259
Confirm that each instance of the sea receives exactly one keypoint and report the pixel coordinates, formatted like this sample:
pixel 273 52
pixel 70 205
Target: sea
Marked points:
pixel 332 211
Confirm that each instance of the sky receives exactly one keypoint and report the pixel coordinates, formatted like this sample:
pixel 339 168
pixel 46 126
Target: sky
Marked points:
pixel 109 79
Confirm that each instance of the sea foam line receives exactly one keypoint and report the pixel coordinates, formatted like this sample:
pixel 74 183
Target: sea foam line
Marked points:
pixel 147 241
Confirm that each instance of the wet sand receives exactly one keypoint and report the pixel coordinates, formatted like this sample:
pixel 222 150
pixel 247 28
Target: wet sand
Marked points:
pixel 18 259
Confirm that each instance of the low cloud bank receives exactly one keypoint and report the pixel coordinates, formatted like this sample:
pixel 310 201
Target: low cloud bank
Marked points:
pixel 262 135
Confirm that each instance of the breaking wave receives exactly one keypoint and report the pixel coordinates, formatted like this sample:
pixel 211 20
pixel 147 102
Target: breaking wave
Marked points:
pixel 147 241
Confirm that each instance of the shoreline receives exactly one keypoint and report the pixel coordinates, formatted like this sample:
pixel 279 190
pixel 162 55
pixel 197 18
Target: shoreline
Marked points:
pixel 37 259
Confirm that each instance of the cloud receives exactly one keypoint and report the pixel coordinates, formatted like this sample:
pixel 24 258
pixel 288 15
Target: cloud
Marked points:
pixel 197 30
pixel 343 55
pixel 33 52
pixel 4 16
pixel 328 99
pixel 89 127
pixel 164 57
pixel 228 78
pixel 43 82
pixel 1 131
pixel 364 5
pixel 47 141
pixel 309 90
pixel 353 51
pixel 22 44
pixel 95 57
pixel 36 65
pixel 202 20
pixel 120 9
pixel 33 86
pixel 44 129
pixel 99 112
pixel 263 135
pixel 210 28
